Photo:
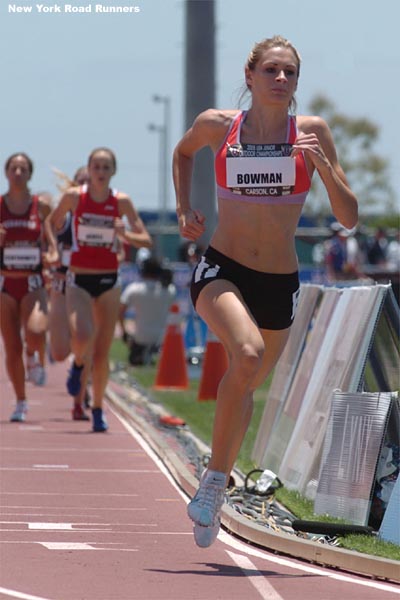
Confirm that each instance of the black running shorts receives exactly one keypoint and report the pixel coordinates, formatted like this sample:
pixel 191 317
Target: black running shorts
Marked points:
pixel 95 284
pixel 271 297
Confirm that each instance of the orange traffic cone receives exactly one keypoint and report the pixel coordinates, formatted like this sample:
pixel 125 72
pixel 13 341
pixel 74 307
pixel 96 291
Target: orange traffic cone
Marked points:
pixel 214 367
pixel 172 369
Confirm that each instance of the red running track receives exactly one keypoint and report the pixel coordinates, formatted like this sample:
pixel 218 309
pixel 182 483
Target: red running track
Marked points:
pixel 95 516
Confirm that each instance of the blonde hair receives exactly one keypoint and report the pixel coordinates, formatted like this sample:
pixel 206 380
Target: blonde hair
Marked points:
pixel 65 182
pixel 277 41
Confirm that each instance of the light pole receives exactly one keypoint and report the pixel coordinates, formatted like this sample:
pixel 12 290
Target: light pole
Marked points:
pixel 164 154
pixel 160 129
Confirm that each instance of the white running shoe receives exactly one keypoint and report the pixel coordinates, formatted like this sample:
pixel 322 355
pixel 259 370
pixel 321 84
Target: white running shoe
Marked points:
pixel 205 507
pixel 19 414
pixel 35 372
pixel 205 536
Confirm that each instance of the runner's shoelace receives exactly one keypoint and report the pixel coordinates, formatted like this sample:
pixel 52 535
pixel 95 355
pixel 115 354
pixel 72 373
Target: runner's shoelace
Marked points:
pixel 211 497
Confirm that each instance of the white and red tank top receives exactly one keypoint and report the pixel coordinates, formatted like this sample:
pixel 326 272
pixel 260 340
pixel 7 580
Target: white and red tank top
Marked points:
pixel 260 173
pixel 22 248
pixel 94 243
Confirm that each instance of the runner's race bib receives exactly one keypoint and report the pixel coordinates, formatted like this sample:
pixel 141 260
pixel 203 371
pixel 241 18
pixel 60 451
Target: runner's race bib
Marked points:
pixel 21 257
pixel 267 169
pixel 95 236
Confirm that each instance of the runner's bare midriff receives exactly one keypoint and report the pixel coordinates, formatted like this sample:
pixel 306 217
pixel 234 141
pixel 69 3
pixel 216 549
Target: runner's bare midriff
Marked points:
pixel 258 236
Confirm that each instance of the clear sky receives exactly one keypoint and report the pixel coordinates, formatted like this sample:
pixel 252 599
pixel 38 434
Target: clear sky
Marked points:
pixel 72 82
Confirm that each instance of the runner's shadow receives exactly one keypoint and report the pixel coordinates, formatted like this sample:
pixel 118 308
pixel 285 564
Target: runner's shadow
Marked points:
pixel 30 422
pixel 230 571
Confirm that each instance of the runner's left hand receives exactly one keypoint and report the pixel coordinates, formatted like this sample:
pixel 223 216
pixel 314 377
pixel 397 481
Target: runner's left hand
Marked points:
pixel 311 146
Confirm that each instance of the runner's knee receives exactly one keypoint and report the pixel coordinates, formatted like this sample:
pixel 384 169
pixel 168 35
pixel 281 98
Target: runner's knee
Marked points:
pixel 247 360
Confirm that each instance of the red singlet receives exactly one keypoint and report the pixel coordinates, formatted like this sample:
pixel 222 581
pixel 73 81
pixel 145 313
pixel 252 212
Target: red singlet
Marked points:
pixel 22 249
pixel 94 243
pixel 260 173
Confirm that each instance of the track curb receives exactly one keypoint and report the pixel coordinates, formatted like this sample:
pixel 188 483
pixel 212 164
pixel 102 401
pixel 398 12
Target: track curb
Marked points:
pixel 314 552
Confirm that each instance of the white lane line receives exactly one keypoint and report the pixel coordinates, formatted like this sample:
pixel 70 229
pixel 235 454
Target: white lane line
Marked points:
pixel 31 427
pixel 150 452
pixel 63 494
pixel 67 546
pixel 53 449
pixel 70 525
pixel 246 549
pixel 257 579
pixel 100 530
pixel 81 546
pixel 82 530
pixel 238 545
pixel 103 543
pixel 24 509
pixel 51 526
pixel 21 595
pixel 50 466
pixel 88 526
pixel 152 471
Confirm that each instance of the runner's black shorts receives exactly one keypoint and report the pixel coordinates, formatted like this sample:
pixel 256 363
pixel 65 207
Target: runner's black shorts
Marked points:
pixel 93 283
pixel 272 298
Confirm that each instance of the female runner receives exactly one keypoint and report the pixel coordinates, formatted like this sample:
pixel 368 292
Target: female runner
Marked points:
pixel 23 299
pixel 60 347
pixel 92 288
pixel 246 285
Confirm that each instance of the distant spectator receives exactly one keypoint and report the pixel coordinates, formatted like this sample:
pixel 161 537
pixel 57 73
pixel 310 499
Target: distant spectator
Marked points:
pixel 190 252
pixel 393 265
pixel 393 253
pixel 377 248
pixel 141 255
pixel 150 299
pixel 341 254
pixel 318 253
pixel 361 238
